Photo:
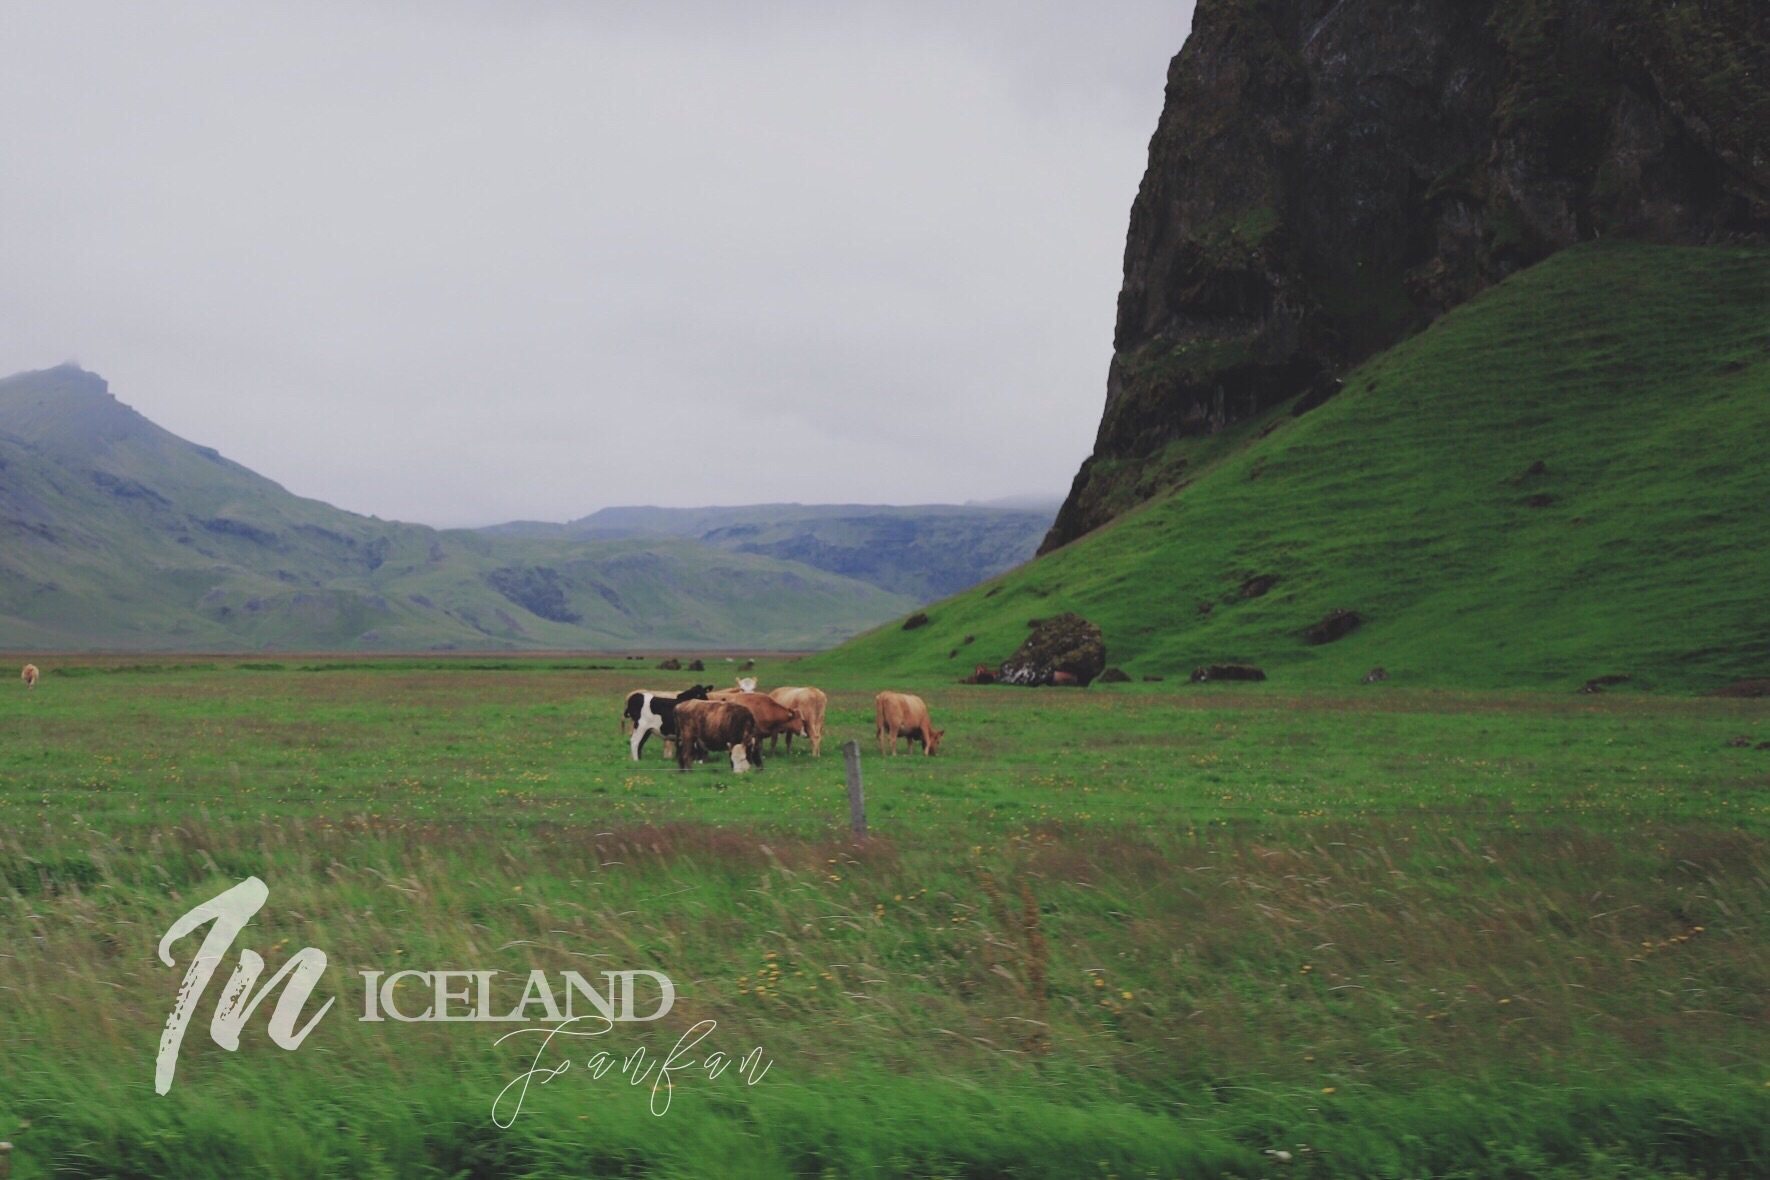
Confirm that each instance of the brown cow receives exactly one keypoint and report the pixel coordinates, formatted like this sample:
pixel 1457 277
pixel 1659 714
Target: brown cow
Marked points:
pixel 898 714
pixel 29 676
pixel 717 725
pixel 772 717
pixel 810 704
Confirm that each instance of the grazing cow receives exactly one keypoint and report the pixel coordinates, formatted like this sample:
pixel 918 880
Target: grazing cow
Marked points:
pixel 29 676
pixel 717 725
pixel 898 714
pixel 810 704
pixel 772 717
pixel 653 712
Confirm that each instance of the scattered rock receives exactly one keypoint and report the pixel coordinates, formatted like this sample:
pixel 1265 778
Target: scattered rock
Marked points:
pixel 1115 676
pixel 697 666
pixel 1376 674
pixel 1540 500
pixel 982 674
pixel 1067 643
pixel 919 619
pixel 1205 608
pixel 1258 585
pixel 1762 746
pixel 970 639
pixel 1336 624
pixel 747 666
pixel 1534 471
pixel 671 665
pixel 1227 672
pixel 1744 688
pixel 1738 743
pixel 953 654
pixel 1600 683
pixel 1152 680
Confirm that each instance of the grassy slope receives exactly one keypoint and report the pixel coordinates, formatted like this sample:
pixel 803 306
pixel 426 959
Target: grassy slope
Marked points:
pixel 115 533
pixel 1638 375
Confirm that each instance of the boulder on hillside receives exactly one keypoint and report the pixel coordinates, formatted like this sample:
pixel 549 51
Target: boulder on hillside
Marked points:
pixel 1114 676
pixel 1336 624
pixel 1600 683
pixel 1067 643
pixel 1227 672
pixel 1376 674
pixel 1258 585
pixel 671 665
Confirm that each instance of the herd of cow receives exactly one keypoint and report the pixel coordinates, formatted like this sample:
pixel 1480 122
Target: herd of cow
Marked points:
pixel 702 719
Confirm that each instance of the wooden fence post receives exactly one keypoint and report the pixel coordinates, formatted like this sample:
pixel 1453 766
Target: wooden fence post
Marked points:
pixel 857 800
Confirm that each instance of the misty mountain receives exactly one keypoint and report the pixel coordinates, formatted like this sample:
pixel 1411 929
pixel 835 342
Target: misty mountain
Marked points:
pixel 117 534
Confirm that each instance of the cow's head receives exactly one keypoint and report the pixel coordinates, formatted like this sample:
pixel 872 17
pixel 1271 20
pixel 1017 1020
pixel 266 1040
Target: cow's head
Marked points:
pixel 697 693
pixel 934 736
pixel 740 761
pixel 797 724
pixel 746 683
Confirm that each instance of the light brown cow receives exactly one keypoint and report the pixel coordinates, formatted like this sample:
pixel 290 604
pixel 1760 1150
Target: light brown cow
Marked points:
pixel 29 676
pixel 772 717
pixel 809 703
pixel 898 714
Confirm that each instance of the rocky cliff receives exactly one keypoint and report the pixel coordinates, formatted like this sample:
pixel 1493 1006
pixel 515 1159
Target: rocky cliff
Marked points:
pixel 1330 175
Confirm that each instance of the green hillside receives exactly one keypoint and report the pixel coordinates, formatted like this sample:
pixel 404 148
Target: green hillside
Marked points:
pixel 1561 479
pixel 116 534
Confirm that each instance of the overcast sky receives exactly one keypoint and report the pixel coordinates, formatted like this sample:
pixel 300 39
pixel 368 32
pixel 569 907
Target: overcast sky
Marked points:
pixel 458 263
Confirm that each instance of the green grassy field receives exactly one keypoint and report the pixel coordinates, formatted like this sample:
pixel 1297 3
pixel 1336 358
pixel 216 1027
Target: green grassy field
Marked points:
pixel 1143 930
pixel 1632 374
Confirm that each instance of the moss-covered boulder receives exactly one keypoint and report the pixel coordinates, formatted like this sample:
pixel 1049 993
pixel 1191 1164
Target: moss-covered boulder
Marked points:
pixel 1067 643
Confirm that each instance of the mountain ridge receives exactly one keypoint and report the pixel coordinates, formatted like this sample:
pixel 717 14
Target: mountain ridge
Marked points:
pixel 116 534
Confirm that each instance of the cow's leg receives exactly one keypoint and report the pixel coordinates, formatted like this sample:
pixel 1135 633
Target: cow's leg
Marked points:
pixel 641 731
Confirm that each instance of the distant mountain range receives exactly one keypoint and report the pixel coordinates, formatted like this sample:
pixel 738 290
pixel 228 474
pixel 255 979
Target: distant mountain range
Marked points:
pixel 927 551
pixel 117 535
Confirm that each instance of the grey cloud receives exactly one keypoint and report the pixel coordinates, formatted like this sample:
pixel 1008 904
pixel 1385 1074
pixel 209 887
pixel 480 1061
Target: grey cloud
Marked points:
pixel 457 263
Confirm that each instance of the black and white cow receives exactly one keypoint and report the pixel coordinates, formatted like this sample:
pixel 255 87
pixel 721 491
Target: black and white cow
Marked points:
pixel 654 712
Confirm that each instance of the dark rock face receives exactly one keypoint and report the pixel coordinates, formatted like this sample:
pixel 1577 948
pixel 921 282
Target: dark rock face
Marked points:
pixel 537 589
pixel 1330 175
pixel 1068 644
